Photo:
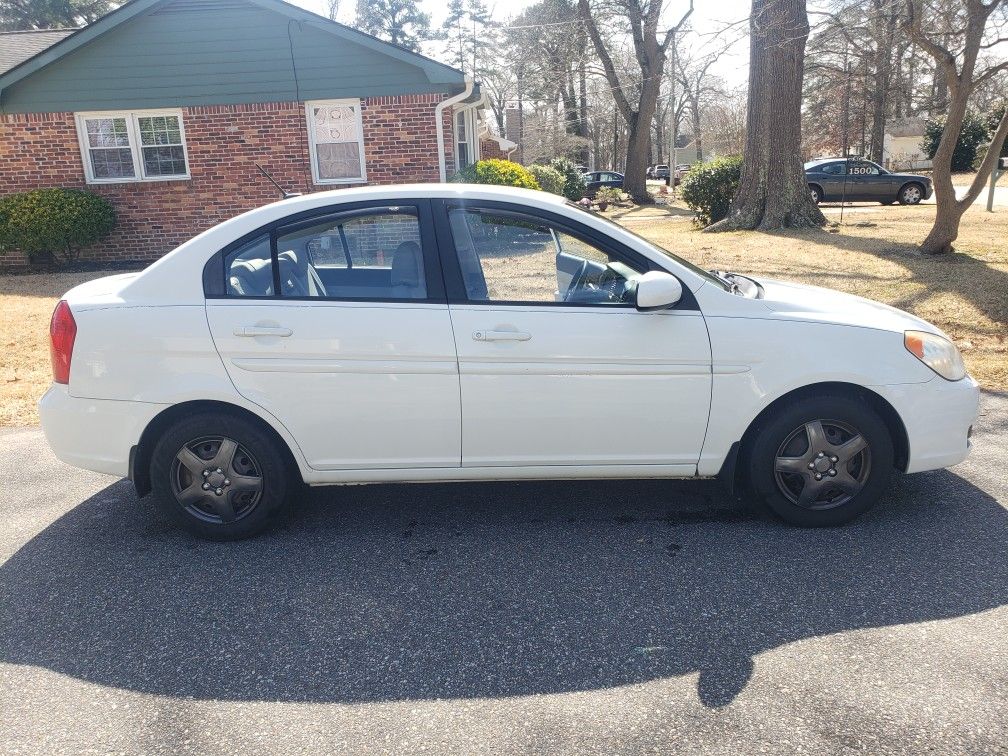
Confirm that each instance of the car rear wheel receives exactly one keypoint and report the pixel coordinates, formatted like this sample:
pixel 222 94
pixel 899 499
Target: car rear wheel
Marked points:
pixel 816 193
pixel 821 461
pixel 911 194
pixel 219 476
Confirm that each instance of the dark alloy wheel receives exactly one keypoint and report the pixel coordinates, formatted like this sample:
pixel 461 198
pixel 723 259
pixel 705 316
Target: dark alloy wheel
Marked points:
pixel 823 464
pixel 219 476
pixel 820 461
pixel 216 480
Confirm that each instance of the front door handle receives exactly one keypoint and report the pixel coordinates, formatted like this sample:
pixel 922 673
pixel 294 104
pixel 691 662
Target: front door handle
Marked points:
pixel 501 336
pixel 263 331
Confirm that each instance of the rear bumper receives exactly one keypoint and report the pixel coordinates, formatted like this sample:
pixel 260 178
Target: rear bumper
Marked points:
pixel 938 416
pixel 96 434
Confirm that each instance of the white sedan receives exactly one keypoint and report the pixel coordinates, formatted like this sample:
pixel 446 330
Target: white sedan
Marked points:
pixel 454 333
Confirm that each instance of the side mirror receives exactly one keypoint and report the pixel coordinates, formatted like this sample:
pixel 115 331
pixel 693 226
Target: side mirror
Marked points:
pixel 657 290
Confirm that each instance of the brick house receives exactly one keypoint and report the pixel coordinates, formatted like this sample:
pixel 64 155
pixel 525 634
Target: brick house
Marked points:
pixel 167 107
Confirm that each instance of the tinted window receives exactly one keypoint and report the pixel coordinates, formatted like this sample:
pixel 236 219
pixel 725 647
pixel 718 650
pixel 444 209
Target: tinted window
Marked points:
pixel 834 169
pixel 371 255
pixel 509 258
pixel 249 269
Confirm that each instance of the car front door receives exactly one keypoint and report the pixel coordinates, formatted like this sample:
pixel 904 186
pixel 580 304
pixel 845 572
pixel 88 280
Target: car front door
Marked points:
pixel 558 369
pixel 871 184
pixel 337 324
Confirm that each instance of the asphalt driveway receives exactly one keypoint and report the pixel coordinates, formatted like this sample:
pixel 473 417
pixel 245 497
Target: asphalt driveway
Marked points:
pixel 594 617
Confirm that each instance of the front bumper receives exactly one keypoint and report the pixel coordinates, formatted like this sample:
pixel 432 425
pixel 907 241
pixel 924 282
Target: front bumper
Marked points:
pixel 938 416
pixel 96 434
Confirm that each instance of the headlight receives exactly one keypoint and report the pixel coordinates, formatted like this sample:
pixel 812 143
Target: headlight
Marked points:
pixel 938 353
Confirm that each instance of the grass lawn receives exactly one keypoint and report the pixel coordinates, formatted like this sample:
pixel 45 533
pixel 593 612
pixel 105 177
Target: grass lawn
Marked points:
pixel 871 254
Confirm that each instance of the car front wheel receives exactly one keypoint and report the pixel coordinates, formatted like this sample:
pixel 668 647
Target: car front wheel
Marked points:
pixel 821 461
pixel 219 476
pixel 911 194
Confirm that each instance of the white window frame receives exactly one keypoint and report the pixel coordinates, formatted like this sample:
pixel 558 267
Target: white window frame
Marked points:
pixel 312 153
pixel 470 117
pixel 133 129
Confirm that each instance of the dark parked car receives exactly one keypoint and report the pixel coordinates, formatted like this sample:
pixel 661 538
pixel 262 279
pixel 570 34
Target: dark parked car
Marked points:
pixel 835 179
pixel 598 179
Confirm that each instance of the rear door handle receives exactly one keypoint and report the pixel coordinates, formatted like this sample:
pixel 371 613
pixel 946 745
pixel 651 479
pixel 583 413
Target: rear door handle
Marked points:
pixel 501 336
pixel 263 331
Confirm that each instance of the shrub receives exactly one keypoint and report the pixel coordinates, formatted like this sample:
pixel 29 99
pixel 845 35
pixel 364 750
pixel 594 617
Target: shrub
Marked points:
pixel 993 121
pixel 608 194
pixel 500 172
pixel 574 183
pixel 707 188
pixel 974 133
pixel 53 223
pixel 550 179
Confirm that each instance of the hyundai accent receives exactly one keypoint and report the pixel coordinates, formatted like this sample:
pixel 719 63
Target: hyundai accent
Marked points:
pixel 456 333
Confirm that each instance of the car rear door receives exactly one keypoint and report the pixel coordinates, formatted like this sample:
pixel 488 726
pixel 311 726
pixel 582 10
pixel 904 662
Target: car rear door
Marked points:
pixel 336 323
pixel 555 375
pixel 870 183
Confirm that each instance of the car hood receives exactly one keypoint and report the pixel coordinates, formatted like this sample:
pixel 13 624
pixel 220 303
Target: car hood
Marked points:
pixel 914 176
pixel 814 303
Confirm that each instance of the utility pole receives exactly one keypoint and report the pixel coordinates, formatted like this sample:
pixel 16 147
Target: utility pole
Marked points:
pixel 674 129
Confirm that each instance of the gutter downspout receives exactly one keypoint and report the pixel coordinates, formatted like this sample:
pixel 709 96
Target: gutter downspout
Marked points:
pixel 439 123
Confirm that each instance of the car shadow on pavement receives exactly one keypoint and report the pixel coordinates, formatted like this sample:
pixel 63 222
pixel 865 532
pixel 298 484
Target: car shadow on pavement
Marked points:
pixel 388 593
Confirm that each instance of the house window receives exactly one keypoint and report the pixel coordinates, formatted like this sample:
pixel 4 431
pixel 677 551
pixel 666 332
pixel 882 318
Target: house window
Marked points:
pixel 147 145
pixel 462 140
pixel 336 138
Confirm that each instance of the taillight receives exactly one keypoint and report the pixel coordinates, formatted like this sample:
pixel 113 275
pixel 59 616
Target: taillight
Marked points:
pixel 62 332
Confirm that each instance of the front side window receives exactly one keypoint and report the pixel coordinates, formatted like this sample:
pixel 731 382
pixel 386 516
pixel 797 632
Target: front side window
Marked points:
pixel 835 169
pixel 132 146
pixel 336 141
pixel 373 254
pixel 506 257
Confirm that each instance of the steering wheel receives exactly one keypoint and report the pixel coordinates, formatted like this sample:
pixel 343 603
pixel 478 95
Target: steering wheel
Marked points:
pixel 576 280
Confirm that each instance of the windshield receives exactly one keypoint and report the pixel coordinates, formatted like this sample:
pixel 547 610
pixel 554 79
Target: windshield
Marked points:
pixel 706 275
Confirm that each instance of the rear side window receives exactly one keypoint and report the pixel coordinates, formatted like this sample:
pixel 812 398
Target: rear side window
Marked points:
pixel 376 254
pixel 249 269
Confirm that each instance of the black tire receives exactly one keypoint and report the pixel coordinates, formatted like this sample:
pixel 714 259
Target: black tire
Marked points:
pixel 777 460
pixel 911 194
pixel 816 192
pixel 248 511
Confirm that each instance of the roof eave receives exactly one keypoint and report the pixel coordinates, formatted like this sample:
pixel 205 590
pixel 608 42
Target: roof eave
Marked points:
pixel 436 73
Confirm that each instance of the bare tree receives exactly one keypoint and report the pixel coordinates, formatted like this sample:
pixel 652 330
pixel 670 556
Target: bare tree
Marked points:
pixel 773 192
pixel 956 57
pixel 643 17
pixel 725 122
pixel 334 7
pixel 698 87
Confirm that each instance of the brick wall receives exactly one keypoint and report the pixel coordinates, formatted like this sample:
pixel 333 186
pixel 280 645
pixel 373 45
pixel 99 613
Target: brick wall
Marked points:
pixel 490 149
pixel 224 143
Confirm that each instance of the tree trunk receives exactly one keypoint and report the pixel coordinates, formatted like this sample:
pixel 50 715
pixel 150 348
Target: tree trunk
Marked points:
pixel 945 229
pixel 773 192
pixel 949 210
pixel 884 30
pixel 697 137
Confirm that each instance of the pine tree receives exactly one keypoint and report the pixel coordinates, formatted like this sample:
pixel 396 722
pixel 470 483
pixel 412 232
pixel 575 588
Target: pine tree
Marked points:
pixel 19 15
pixel 400 22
